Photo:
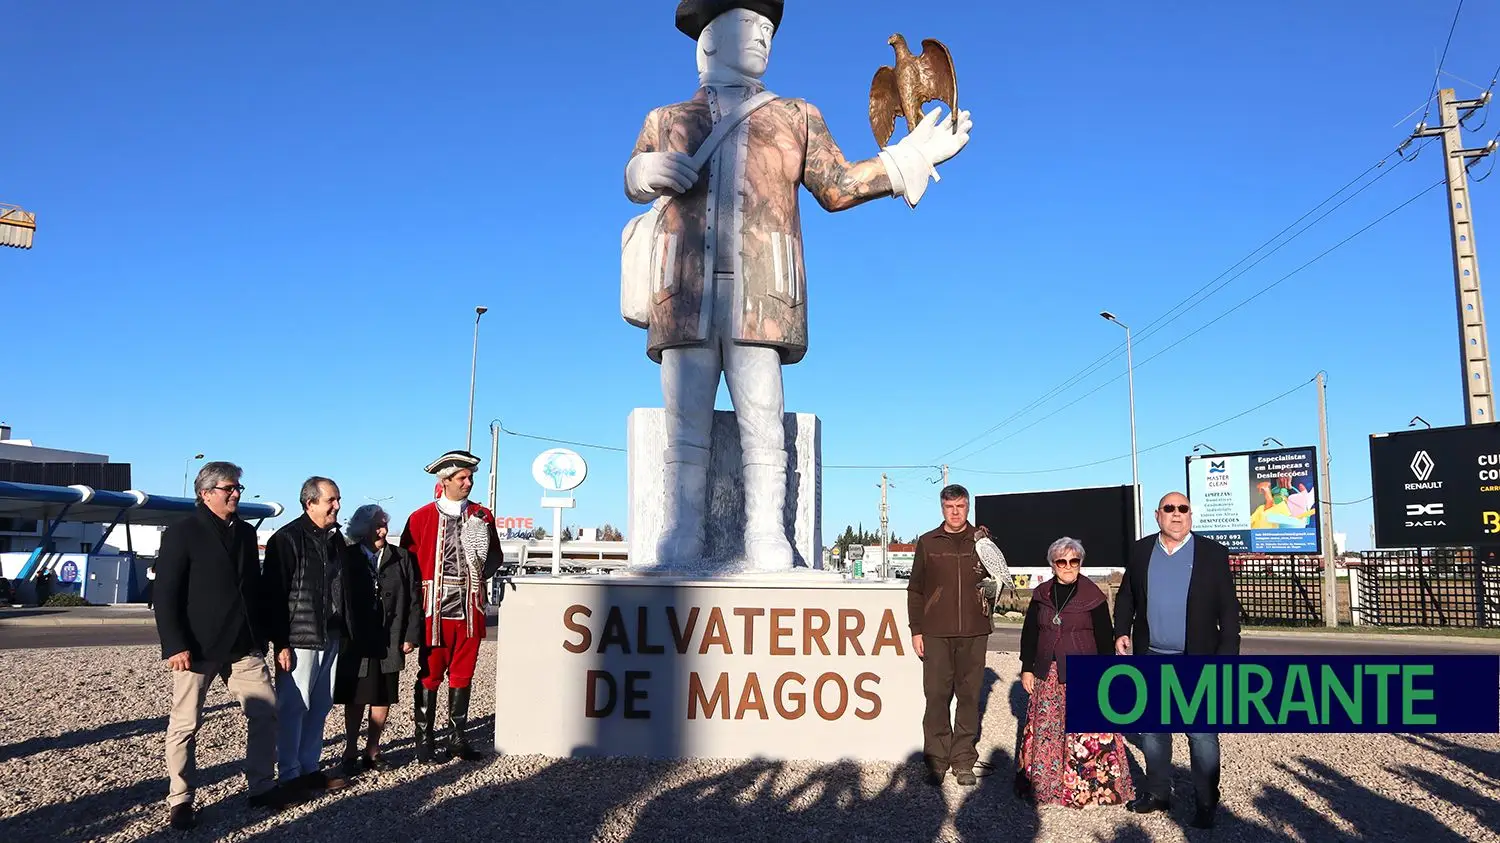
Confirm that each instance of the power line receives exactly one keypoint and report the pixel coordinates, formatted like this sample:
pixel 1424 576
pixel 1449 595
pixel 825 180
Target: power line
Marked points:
pixel 1148 330
pixel 1114 352
pixel 1220 423
pixel 1204 326
pixel 561 441
pixel 1277 282
pixel 1438 72
pixel 503 429
pixel 882 467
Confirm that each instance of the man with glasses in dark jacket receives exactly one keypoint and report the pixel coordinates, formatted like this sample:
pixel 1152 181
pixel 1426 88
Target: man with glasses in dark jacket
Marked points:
pixel 305 562
pixel 950 628
pixel 215 613
pixel 1177 596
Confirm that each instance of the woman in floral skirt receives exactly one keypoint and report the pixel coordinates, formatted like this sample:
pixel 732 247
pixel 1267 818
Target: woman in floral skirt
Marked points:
pixel 1068 615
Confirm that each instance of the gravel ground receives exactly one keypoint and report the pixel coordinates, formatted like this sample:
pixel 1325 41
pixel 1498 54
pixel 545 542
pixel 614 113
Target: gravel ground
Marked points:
pixel 82 760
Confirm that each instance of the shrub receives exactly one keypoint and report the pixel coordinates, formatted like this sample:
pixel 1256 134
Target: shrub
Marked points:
pixel 66 599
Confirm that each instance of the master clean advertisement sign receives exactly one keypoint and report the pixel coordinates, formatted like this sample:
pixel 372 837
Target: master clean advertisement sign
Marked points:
pixel 1257 501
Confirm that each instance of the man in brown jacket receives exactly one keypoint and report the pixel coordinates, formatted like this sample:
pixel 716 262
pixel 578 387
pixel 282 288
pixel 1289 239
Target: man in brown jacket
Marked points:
pixel 950 628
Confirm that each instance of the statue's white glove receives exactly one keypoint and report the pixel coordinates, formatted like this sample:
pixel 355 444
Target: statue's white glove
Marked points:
pixel 650 174
pixel 914 160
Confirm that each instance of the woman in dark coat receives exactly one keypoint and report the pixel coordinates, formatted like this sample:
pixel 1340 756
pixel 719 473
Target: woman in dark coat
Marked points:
pixel 1068 615
pixel 388 626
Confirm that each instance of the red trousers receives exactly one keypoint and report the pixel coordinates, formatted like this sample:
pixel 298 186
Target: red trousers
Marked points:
pixel 456 658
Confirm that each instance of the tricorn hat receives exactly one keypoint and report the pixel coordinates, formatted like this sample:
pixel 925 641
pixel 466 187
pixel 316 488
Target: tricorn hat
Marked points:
pixel 460 459
pixel 693 16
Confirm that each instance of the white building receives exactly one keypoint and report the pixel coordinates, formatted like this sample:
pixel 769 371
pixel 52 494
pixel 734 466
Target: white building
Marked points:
pixel 23 461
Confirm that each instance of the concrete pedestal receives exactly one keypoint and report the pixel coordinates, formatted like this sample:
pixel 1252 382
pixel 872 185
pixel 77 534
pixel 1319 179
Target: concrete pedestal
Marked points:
pixel 800 666
pixel 647 439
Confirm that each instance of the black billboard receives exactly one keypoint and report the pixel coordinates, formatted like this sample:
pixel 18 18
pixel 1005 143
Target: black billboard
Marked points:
pixel 1025 524
pixel 1438 487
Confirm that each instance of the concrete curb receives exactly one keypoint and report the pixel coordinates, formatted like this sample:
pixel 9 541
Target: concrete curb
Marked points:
pixel 1256 632
pixel 1370 636
pixel 55 621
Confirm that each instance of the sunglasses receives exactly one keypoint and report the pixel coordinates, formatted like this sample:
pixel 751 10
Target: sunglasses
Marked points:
pixel 229 490
pixel 1071 562
pixel 1181 507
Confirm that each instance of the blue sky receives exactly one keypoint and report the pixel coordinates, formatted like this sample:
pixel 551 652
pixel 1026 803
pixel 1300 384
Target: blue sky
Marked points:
pixel 263 229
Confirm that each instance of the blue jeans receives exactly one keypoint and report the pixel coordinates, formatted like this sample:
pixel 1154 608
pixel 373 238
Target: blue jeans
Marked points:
pixel 1203 756
pixel 304 697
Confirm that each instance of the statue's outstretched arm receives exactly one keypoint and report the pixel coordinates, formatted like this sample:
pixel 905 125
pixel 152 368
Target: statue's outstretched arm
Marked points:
pixel 902 169
pixel 835 182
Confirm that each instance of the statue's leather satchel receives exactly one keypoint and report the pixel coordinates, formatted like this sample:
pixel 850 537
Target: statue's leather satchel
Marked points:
pixel 638 240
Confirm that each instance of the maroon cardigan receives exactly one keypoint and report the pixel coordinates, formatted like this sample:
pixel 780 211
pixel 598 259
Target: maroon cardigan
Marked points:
pixel 1085 628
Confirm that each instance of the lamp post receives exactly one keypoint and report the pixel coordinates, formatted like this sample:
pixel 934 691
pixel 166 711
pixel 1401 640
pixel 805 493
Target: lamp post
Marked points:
pixel 473 370
pixel 1415 419
pixel 1204 446
pixel 185 467
pixel 1269 439
pixel 1135 472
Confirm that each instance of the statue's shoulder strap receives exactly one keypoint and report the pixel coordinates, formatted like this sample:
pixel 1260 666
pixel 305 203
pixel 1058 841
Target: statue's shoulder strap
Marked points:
pixel 725 125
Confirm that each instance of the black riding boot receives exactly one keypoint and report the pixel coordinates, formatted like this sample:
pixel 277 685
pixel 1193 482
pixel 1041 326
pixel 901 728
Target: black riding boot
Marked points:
pixel 458 721
pixel 424 708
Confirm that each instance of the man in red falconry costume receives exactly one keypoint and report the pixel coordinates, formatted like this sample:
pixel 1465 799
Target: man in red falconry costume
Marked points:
pixel 457 549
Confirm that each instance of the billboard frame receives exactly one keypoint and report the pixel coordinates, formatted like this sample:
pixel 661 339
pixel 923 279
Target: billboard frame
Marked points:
pixel 1318 496
pixel 1376 521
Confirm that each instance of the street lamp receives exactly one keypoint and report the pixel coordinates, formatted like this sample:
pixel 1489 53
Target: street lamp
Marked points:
pixel 1269 439
pixel 1415 419
pixel 1204 446
pixel 473 369
pixel 1135 471
pixel 185 463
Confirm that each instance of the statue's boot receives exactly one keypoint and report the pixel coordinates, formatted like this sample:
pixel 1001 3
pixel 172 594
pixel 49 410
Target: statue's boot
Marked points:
pixel 766 544
pixel 685 489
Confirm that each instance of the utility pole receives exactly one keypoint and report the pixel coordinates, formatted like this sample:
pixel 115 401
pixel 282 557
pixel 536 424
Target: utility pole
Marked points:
pixel 1324 500
pixel 1135 470
pixel 1474 356
pixel 473 370
pixel 494 461
pixel 885 523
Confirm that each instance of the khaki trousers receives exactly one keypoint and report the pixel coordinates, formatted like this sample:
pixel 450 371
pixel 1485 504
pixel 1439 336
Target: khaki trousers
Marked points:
pixel 249 682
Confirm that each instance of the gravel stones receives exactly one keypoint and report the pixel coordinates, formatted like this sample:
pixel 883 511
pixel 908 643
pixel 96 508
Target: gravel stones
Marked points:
pixel 81 759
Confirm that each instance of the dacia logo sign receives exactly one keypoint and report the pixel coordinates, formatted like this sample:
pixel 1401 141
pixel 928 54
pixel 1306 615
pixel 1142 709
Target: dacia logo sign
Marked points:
pixel 1425 515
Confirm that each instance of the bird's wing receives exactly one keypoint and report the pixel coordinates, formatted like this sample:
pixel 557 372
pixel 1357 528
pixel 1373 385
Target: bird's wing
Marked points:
pixel 993 560
pixel 939 80
pixel 885 104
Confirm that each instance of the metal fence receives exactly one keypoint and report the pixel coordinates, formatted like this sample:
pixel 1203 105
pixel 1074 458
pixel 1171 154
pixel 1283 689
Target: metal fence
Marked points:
pixel 1427 587
pixel 1279 590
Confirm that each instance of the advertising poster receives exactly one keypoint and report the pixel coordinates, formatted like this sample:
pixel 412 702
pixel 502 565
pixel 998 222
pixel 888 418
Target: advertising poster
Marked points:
pixel 1258 501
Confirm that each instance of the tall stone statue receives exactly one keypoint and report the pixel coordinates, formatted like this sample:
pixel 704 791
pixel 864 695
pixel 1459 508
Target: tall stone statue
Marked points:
pixel 716 275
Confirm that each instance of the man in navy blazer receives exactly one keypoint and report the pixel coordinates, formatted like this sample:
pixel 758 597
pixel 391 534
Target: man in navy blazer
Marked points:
pixel 1177 597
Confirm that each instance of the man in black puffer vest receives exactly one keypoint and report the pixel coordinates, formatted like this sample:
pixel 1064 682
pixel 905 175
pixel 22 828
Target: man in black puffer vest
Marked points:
pixel 305 563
